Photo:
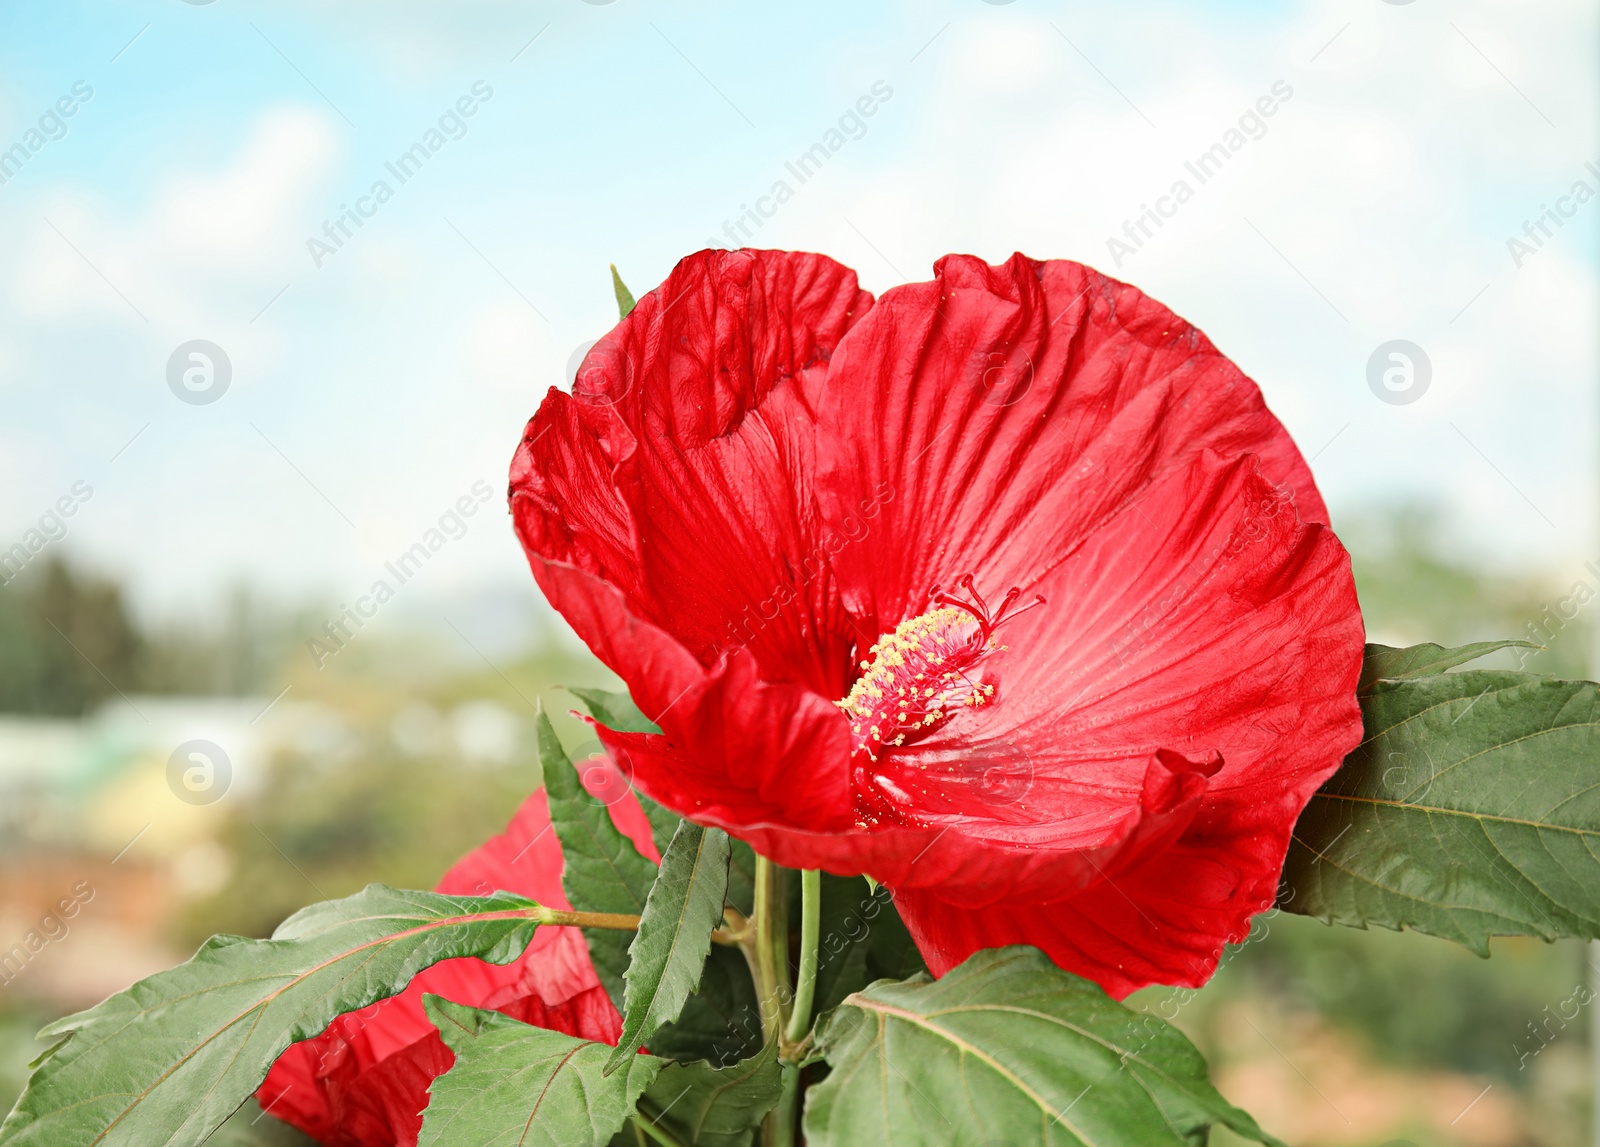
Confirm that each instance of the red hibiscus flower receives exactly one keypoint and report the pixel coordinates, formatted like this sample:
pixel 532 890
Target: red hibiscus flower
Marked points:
pixel 364 1082
pixel 1005 590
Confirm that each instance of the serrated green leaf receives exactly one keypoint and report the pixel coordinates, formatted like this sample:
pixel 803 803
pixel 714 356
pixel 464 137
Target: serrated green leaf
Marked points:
pixel 722 1021
pixel 1470 809
pixel 624 296
pixel 701 1105
pixel 603 871
pixel 515 1084
pixel 1384 663
pixel 1008 1047
pixel 170 1059
pixel 613 710
pixel 741 869
pixel 669 950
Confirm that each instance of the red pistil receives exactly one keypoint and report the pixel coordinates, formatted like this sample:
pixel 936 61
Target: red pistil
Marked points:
pixel 979 608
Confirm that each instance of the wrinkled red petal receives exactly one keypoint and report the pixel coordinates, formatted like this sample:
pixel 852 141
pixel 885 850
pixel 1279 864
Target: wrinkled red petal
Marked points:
pixel 997 414
pixel 364 1081
pixel 1254 654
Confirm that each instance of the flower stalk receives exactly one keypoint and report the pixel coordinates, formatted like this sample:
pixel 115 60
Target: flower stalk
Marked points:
pixel 810 927
pixel 771 947
pixel 785 1018
pixel 784 1116
pixel 732 936
pixel 611 921
pixel 644 1125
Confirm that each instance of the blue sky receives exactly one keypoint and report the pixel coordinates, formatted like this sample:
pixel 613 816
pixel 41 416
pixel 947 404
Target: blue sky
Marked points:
pixel 371 392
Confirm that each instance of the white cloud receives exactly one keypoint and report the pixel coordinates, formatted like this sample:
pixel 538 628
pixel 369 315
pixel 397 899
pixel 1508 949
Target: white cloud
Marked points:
pixel 243 217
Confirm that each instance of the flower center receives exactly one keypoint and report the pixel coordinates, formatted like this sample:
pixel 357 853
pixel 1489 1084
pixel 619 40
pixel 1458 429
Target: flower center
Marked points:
pixel 923 673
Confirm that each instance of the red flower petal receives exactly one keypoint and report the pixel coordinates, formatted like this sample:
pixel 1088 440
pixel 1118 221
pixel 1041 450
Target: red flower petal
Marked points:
pixel 994 416
pixel 690 427
pixel 1034 425
pixel 364 1081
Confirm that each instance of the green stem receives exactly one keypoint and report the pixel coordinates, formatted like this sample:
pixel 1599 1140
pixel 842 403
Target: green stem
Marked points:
pixel 810 927
pixel 615 921
pixel 771 962
pixel 785 1115
pixel 772 947
pixel 645 1125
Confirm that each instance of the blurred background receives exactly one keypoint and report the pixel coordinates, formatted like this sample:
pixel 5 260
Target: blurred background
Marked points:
pixel 275 304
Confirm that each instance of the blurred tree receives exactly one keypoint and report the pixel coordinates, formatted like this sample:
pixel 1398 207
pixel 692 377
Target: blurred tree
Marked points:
pixel 66 642
pixel 242 652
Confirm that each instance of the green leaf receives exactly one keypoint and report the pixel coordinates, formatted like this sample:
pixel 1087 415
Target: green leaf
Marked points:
pixel 1387 664
pixel 741 870
pixel 703 1105
pixel 624 296
pixel 1470 809
pixel 613 710
pixel 515 1084
pixel 1008 1047
pixel 722 1021
pixel 169 1059
pixel 861 939
pixel 604 871
pixel 669 950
